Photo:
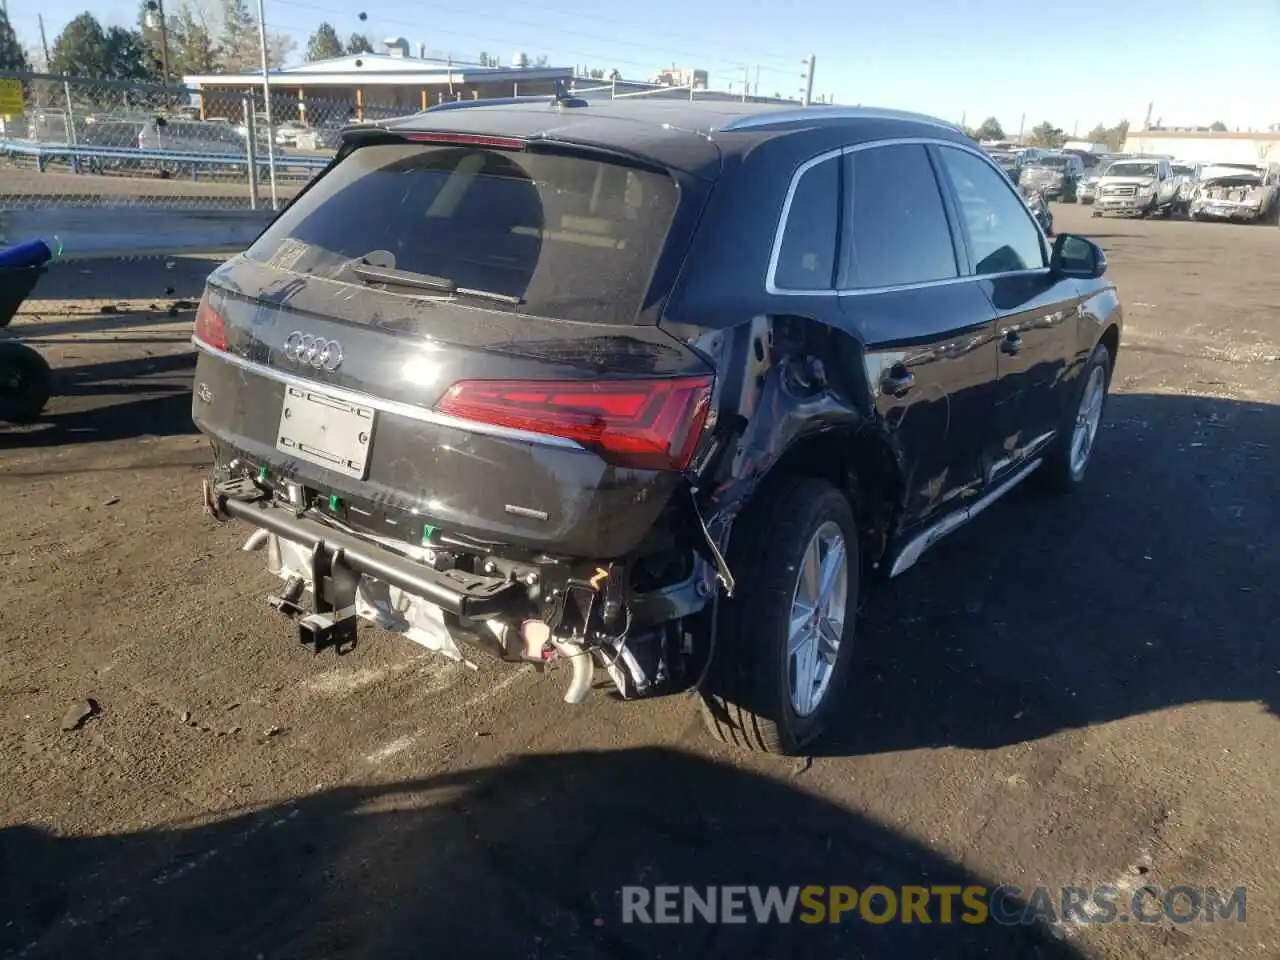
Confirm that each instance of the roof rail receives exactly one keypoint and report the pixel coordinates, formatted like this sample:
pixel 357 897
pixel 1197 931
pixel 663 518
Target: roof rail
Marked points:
pixel 773 118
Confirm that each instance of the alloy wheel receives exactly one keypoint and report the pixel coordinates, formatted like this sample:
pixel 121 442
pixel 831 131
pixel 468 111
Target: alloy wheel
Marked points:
pixel 817 618
pixel 1088 417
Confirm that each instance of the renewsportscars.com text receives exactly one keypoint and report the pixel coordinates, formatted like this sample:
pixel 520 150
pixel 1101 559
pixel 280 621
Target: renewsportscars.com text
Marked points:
pixel 1007 904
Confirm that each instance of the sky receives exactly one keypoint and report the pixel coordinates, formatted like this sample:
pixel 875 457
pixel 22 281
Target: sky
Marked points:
pixel 1077 65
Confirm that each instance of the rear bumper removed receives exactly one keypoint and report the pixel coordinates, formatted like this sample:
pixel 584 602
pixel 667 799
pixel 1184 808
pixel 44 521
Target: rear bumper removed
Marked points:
pixel 352 577
pixel 533 610
pixel 462 594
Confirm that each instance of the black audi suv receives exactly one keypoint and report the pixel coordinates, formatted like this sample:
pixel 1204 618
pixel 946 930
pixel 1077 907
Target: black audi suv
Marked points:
pixel 652 387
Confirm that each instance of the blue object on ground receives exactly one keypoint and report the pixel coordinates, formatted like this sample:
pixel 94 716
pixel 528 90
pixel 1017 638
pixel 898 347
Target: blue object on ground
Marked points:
pixel 30 254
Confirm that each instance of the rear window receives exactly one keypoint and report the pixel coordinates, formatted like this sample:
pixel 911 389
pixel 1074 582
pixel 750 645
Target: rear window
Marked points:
pixel 570 237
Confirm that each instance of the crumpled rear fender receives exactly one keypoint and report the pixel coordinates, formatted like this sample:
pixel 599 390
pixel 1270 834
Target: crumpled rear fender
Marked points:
pixel 794 394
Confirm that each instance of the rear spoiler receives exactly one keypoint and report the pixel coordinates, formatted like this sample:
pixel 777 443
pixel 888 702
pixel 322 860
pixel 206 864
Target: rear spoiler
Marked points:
pixel 366 135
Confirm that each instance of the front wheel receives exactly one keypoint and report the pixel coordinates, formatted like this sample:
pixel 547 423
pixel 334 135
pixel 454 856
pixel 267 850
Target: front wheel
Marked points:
pixel 25 383
pixel 785 640
pixel 1065 466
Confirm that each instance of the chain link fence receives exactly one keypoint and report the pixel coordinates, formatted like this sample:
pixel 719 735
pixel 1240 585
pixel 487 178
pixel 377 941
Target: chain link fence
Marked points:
pixel 75 143
pixel 72 142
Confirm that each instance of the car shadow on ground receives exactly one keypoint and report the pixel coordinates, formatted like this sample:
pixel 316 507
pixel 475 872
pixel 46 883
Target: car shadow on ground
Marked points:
pixel 526 859
pixel 156 393
pixel 1152 586
pixel 107 325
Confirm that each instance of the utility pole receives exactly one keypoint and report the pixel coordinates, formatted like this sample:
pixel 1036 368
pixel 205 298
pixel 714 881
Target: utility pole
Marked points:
pixel 807 76
pixel 266 102
pixel 1022 125
pixel 157 20
pixel 44 44
pixel 746 83
pixel 756 87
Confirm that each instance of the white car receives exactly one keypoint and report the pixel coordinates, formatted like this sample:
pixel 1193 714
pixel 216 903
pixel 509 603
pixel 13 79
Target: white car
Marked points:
pixel 190 136
pixel 1234 191
pixel 287 133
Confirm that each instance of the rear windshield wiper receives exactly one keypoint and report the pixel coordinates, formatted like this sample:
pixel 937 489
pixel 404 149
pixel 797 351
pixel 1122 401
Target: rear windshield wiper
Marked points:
pixel 403 278
pixel 425 281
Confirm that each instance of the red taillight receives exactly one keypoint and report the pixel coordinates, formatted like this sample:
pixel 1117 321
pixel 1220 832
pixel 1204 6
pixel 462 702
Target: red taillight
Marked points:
pixel 467 140
pixel 647 424
pixel 210 327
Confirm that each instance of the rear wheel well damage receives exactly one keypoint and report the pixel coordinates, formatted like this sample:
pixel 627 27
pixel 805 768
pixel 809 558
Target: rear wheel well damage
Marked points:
pixel 861 464
pixel 814 416
pixel 1111 340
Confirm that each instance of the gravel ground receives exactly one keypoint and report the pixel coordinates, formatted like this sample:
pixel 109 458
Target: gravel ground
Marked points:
pixel 1068 692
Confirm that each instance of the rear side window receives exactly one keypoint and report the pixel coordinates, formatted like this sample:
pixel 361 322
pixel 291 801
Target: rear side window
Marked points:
pixel 807 256
pixel 567 237
pixel 897 229
pixel 1002 235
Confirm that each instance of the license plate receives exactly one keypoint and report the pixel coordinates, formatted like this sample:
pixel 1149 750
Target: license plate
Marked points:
pixel 325 430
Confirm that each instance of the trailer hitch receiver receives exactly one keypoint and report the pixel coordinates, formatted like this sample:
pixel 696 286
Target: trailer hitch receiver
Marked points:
pixel 332 622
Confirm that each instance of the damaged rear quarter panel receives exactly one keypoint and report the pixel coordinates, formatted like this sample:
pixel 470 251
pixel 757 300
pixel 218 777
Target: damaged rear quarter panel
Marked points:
pixel 792 369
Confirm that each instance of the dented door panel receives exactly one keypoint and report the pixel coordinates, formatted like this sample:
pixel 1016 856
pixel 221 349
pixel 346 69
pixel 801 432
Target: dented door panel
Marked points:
pixel 933 347
pixel 1036 329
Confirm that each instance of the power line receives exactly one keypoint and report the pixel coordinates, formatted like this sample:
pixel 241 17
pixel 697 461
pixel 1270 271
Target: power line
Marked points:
pixel 413 25
pixel 755 54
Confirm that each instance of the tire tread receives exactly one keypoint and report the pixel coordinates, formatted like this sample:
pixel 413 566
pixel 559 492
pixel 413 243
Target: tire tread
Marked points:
pixel 744 675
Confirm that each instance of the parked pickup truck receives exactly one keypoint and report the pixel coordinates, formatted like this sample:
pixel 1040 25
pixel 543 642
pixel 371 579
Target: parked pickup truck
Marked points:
pixel 1136 187
pixel 1057 174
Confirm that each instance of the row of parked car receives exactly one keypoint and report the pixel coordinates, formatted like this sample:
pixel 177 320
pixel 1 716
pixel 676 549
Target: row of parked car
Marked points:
pixel 1145 185
pixel 176 132
pixel 206 136
pixel 1201 190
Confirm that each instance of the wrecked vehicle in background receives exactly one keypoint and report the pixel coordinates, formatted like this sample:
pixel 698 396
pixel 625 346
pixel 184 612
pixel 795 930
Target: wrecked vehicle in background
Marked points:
pixel 1057 174
pixel 1010 161
pixel 643 385
pixel 1136 187
pixel 1038 203
pixel 1230 192
pixel 1185 175
pixel 1087 190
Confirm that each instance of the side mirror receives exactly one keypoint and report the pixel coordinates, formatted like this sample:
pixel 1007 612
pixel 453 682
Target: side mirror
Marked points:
pixel 1074 256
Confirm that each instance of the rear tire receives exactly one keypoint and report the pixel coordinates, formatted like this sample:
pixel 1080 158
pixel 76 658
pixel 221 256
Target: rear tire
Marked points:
pixel 25 383
pixel 764 665
pixel 1065 466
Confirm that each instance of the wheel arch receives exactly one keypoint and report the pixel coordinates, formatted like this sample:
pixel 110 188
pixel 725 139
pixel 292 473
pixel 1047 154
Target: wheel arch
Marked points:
pixel 863 464
pixel 1111 340
pixel 803 405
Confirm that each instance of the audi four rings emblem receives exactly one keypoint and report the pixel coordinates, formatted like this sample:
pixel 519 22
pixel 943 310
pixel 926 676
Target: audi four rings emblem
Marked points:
pixel 313 351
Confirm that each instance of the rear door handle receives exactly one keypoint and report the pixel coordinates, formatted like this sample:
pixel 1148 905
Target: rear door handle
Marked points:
pixel 1011 344
pixel 897 382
